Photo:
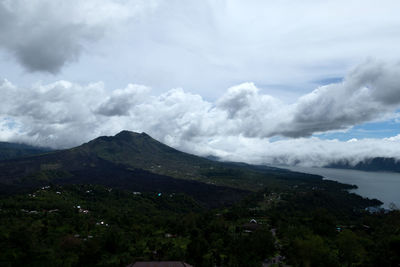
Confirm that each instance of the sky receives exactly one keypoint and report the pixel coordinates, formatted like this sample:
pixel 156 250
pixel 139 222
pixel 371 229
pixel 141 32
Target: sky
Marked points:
pixel 287 82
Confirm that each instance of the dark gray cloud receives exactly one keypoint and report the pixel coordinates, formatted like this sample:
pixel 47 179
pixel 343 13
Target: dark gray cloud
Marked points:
pixel 46 35
pixel 50 49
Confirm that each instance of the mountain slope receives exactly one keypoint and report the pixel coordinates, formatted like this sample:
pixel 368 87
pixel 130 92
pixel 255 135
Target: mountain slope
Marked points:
pixel 14 150
pixel 137 162
pixel 141 151
pixel 371 164
pixel 123 161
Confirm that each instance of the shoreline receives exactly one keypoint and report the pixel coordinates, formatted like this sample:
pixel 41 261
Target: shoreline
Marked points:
pixel 372 185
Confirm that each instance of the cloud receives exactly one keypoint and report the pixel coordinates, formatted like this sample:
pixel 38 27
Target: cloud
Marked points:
pixel 120 102
pixel 44 35
pixel 285 46
pixel 204 46
pixel 237 125
pixel 303 151
pixel 367 93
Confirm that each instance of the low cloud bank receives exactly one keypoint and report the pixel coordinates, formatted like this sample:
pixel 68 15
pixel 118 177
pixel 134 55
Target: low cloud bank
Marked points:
pixel 236 126
pixel 308 152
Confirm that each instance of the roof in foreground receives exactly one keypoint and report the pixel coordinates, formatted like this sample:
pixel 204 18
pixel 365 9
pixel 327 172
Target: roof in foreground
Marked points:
pixel 160 264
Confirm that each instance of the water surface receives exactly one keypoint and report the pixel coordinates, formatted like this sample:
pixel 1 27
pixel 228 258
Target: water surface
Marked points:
pixel 384 186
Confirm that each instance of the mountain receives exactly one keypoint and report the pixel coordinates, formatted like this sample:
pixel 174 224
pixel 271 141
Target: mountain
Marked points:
pixel 127 149
pixel 139 150
pixel 137 162
pixel 14 150
pixel 128 160
pixel 370 164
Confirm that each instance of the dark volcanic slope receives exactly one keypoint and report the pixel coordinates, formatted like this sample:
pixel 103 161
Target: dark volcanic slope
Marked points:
pixel 113 175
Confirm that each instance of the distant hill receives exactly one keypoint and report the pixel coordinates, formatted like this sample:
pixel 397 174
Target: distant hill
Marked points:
pixel 371 164
pixel 14 150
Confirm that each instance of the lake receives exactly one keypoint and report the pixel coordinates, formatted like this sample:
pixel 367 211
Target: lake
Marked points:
pixel 384 186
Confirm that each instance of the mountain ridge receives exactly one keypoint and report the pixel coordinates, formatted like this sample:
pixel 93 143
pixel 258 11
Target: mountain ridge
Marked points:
pixel 374 164
pixel 10 150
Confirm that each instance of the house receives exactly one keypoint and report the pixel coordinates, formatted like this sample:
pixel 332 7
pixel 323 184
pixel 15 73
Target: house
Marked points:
pixel 251 226
pixel 159 264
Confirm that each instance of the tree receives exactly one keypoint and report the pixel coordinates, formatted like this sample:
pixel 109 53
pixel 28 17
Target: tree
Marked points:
pixel 313 251
pixel 351 252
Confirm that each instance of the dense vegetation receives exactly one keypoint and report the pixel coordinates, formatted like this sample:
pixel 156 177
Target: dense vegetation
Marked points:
pixel 74 225
pixel 79 225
